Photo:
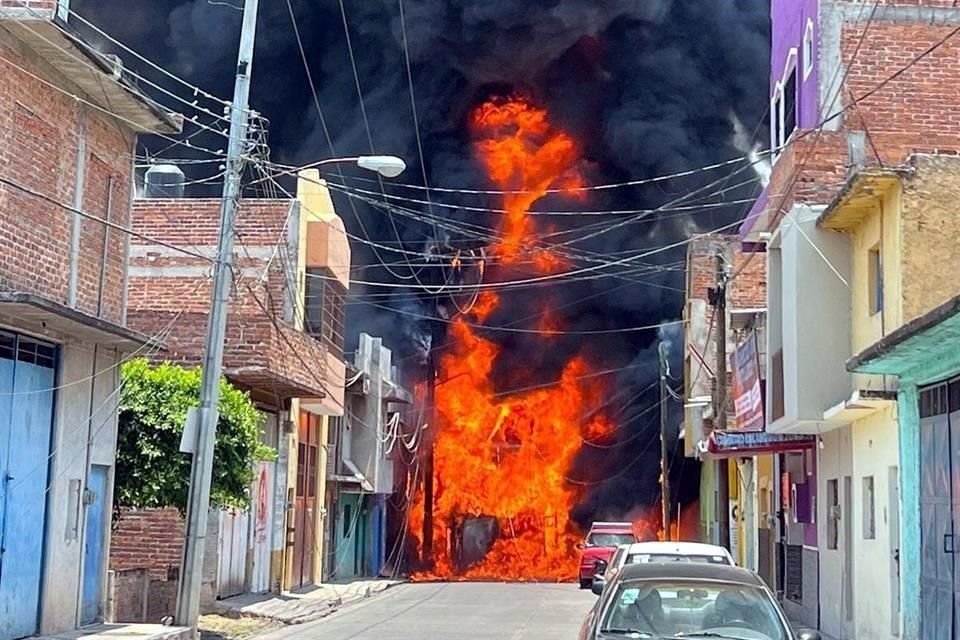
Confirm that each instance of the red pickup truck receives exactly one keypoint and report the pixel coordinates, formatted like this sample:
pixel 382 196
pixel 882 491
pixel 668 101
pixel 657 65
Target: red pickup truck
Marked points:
pixel 600 543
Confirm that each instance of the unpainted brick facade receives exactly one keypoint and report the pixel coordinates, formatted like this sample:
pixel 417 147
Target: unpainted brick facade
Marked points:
pixel 149 539
pixel 264 349
pixel 746 291
pixel 45 137
pixel 884 120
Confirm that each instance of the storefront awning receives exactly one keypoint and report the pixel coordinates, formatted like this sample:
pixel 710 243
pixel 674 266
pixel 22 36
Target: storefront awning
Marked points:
pixel 739 444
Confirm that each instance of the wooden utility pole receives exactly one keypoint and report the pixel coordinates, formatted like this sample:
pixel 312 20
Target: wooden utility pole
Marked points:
pixel 719 295
pixel 664 455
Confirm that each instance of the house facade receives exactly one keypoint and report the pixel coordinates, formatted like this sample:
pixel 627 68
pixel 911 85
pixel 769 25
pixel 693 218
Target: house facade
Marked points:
pixel 69 121
pixel 843 80
pixel 912 205
pixel 739 484
pixel 361 476
pixel 284 347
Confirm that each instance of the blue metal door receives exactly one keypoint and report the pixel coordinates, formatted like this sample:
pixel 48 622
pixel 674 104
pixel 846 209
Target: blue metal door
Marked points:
pixel 26 415
pixel 93 544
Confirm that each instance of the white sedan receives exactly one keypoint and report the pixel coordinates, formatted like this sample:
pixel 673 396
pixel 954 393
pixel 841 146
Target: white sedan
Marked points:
pixel 646 552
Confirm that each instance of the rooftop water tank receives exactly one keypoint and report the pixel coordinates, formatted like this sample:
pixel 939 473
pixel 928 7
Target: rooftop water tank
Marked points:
pixel 163 181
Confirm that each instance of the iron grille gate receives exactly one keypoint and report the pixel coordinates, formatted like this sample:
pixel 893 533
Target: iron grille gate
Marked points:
pixel 939 510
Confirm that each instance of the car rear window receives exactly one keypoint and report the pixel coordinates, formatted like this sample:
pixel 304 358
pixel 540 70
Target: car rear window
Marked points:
pixel 600 539
pixel 638 558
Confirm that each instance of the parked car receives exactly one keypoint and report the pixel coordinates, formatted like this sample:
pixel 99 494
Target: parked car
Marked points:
pixel 660 600
pixel 657 551
pixel 599 545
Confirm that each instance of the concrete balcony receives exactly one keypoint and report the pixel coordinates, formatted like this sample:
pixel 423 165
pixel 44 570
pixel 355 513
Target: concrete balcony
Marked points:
pixel 45 39
pixel 809 325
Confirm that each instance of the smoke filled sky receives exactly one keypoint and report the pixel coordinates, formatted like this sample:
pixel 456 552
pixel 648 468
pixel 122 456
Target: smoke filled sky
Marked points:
pixel 644 87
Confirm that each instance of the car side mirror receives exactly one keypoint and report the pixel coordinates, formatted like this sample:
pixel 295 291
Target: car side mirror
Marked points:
pixel 597 587
pixel 601 566
pixel 808 634
pixel 581 546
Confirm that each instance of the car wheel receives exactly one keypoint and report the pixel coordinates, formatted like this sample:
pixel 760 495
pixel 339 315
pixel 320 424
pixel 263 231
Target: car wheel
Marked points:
pixel 585 584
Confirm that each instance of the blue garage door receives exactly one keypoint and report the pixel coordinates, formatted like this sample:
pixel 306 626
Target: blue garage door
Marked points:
pixel 26 417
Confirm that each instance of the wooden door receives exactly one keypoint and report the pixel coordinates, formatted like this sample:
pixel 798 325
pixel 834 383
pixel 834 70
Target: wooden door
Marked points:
pixel 305 502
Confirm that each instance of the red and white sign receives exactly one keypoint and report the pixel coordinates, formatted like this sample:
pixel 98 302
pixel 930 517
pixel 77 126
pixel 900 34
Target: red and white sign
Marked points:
pixel 747 397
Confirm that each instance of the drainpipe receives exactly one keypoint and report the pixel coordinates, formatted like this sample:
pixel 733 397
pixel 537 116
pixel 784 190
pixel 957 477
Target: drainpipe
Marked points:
pixel 78 205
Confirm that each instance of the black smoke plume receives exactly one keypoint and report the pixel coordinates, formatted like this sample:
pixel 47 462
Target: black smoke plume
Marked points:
pixel 645 87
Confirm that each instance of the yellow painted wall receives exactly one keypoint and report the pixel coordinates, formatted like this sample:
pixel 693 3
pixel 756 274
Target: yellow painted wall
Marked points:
pixel 881 227
pixel 930 233
pixel 875 444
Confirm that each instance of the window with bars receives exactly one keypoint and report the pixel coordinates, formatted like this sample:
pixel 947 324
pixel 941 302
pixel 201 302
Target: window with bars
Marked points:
pixel 16 347
pixel 325 309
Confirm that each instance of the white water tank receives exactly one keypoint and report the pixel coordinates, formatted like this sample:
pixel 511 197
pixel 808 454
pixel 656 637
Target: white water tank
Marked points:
pixel 163 181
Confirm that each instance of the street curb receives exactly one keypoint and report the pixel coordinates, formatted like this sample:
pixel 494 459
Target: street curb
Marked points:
pixel 290 611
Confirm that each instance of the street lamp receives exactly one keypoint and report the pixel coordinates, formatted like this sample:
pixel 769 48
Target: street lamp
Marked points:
pixel 386 166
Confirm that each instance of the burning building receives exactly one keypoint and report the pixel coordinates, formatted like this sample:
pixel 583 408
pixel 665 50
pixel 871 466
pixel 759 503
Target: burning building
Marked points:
pixel 545 380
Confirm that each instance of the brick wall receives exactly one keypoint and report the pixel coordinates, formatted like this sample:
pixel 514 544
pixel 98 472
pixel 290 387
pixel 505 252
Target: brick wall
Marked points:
pixel 150 539
pixel 40 134
pixel 33 9
pixel 134 595
pixel 914 113
pixel 747 290
pixel 262 344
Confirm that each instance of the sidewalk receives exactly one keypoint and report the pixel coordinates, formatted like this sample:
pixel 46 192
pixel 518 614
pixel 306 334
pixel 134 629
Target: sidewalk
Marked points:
pixel 123 632
pixel 305 605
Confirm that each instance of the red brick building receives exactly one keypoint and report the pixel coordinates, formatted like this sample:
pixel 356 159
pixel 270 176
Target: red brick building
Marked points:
pixel 69 121
pixel 284 347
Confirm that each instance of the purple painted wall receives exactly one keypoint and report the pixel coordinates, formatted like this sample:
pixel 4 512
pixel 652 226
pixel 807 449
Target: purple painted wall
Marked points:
pixel 789 22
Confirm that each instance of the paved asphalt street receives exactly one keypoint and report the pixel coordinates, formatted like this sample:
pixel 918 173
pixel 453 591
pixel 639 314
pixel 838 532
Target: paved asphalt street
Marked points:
pixel 461 611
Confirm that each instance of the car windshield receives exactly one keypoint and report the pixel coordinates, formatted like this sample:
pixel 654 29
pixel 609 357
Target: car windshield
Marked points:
pixel 609 539
pixel 668 609
pixel 639 558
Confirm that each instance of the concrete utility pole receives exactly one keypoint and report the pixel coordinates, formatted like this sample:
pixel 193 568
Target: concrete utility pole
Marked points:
pixel 664 456
pixel 198 505
pixel 719 295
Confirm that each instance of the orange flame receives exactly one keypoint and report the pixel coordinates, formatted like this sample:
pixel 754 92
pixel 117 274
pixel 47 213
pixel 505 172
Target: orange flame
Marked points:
pixel 506 456
pixel 525 155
